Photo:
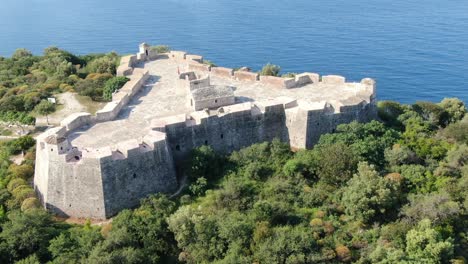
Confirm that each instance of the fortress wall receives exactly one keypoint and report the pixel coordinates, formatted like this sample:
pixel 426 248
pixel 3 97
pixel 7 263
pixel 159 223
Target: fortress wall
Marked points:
pixel 228 132
pixel 153 54
pixel 222 72
pixel 68 188
pixel 76 120
pixel 370 87
pixel 278 82
pixel 123 96
pixel 75 189
pixel 126 65
pixel 324 121
pixel 144 171
pixel 199 83
pixel 102 182
pixel 307 78
pixel 246 76
pixel 199 67
pixel 211 103
pixel 195 58
pixel 333 79
pixel 177 55
pixel 296 123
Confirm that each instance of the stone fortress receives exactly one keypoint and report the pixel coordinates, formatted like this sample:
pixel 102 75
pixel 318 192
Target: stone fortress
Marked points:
pixel 93 166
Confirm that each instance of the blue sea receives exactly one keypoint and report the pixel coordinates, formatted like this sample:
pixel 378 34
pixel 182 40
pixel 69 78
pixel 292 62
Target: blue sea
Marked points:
pixel 415 49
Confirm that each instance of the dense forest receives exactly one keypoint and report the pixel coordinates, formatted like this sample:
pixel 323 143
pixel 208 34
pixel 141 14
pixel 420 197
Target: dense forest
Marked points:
pixel 388 191
pixel 27 80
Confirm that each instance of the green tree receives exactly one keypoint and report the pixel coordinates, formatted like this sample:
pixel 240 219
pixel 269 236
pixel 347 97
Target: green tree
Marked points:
pixel 199 187
pixel 74 245
pixel 161 48
pixel 367 195
pixel 270 70
pixel 454 107
pixel 368 141
pixel 21 53
pixel 437 207
pixel 139 236
pixel 113 85
pixel 335 163
pixel 425 245
pixel 45 108
pixel 25 234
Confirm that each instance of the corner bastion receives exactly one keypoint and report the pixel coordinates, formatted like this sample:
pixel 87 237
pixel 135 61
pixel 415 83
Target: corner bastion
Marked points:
pixel 93 166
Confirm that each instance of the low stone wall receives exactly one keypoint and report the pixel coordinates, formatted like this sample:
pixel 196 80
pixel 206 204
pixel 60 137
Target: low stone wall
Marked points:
pixel 126 65
pixel 333 79
pixel 278 82
pixel 306 78
pixel 222 72
pixel 199 67
pixel 245 76
pixel 195 58
pixel 177 55
pixel 123 96
pixel 76 120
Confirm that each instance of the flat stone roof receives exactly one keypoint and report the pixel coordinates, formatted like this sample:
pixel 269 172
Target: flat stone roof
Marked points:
pixel 212 92
pixel 161 97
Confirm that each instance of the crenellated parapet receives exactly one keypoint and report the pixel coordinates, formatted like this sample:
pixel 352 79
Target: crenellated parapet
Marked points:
pixel 80 182
pixel 98 181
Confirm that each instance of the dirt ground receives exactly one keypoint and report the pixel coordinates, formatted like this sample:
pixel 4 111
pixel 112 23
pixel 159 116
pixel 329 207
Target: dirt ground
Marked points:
pixel 69 103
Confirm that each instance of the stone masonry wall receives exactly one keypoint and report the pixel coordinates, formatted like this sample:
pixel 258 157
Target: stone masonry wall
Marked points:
pixel 98 183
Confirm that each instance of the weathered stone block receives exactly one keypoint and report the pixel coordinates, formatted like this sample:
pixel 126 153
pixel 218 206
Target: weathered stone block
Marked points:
pixel 333 79
pixel 222 72
pixel 199 67
pixel 196 58
pixel 246 76
pixel 278 82
pixel 177 55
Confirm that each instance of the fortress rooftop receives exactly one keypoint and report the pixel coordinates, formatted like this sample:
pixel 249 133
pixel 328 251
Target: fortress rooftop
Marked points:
pixel 161 96
pixel 96 165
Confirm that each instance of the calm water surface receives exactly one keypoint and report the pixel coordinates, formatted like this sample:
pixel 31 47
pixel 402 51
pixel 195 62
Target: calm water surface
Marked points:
pixel 417 50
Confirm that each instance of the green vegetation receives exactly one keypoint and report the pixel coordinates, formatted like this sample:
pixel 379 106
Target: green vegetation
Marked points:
pixel 270 70
pixel 161 48
pixel 45 108
pixel 26 79
pixel 113 85
pixel 289 75
pixel 209 63
pixel 394 191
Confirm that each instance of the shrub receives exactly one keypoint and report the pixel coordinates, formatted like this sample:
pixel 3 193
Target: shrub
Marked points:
pixel 389 111
pixel 113 85
pixel 270 70
pixel 30 203
pixel 161 48
pixel 210 63
pixel 343 253
pixel 14 183
pixel 289 75
pixel 21 53
pixel 316 222
pixel 24 171
pixel 105 64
